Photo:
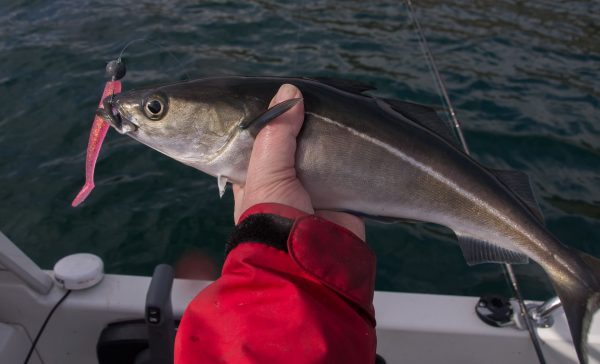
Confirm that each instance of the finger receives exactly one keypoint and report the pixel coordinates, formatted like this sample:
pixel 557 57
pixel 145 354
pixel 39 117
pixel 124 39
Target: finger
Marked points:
pixel 353 223
pixel 238 198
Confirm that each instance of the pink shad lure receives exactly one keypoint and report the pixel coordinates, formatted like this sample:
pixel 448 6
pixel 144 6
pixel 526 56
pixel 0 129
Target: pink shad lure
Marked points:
pixel 99 129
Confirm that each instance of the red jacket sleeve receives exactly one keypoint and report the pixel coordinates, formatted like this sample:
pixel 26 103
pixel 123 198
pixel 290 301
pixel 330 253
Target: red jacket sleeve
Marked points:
pixel 308 302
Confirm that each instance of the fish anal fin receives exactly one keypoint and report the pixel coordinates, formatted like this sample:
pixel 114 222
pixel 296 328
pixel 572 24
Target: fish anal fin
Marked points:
pixel 478 251
pixel 255 125
pixel 351 86
pixel 379 219
pixel 424 116
pixel 391 220
pixel 519 183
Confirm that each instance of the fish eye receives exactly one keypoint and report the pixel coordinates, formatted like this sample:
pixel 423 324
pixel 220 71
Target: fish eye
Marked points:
pixel 155 107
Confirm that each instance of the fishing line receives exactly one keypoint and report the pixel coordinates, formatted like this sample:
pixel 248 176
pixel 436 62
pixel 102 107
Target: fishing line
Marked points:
pixel 457 129
pixel 127 46
pixel 39 334
pixel 437 77
pixel 159 45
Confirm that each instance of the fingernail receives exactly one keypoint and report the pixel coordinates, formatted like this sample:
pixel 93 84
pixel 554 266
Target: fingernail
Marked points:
pixel 287 91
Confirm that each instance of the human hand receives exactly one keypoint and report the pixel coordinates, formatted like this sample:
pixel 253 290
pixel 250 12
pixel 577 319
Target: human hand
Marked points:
pixel 271 173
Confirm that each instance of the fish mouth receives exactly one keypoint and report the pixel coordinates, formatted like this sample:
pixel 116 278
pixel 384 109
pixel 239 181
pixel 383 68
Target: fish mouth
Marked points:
pixel 110 113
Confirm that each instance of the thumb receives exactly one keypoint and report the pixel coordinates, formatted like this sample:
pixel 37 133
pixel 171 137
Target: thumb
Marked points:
pixel 271 172
pixel 274 152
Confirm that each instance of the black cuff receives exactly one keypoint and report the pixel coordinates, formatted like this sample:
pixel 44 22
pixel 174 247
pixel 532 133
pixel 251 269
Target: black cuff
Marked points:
pixel 269 229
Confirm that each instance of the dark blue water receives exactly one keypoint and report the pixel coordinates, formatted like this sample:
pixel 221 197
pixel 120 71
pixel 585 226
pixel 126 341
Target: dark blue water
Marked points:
pixel 524 77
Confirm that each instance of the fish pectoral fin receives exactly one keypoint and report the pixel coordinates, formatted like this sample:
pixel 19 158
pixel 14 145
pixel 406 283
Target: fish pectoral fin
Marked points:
pixel 519 183
pixel 222 183
pixel 478 251
pixel 256 124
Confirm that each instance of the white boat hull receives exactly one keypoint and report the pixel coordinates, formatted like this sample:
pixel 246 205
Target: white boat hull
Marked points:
pixel 411 328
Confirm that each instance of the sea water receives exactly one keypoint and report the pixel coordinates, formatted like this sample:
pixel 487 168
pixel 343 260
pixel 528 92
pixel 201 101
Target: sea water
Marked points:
pixel 523 76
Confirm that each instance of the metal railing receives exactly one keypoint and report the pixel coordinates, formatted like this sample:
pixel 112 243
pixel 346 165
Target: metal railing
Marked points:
pixel 13 259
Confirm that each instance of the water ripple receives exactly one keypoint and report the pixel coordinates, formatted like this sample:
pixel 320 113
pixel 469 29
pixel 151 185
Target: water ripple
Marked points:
pixel 523 77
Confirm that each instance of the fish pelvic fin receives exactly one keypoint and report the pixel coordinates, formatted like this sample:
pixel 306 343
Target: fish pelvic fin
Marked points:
pixel 580 298
pixel 222 183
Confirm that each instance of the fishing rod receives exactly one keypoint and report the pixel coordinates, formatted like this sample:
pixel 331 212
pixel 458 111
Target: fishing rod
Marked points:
pixel 455 124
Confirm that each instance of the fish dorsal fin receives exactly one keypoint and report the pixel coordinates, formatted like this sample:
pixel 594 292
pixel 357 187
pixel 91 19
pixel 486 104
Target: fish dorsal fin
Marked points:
pixel 478 251
pixel 425 116
pixel 352 86
pixel 519 183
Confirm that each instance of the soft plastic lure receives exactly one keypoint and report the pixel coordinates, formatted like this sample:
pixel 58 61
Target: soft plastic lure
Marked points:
pixel 115 69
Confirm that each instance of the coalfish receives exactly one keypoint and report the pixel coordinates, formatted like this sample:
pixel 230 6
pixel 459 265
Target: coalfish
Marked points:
pixel 376 157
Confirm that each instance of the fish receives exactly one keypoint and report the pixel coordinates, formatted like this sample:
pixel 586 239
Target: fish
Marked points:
pixel 382 158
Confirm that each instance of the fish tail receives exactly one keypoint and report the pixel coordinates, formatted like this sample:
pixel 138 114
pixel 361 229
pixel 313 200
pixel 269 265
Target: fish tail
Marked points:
pixel 580 297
